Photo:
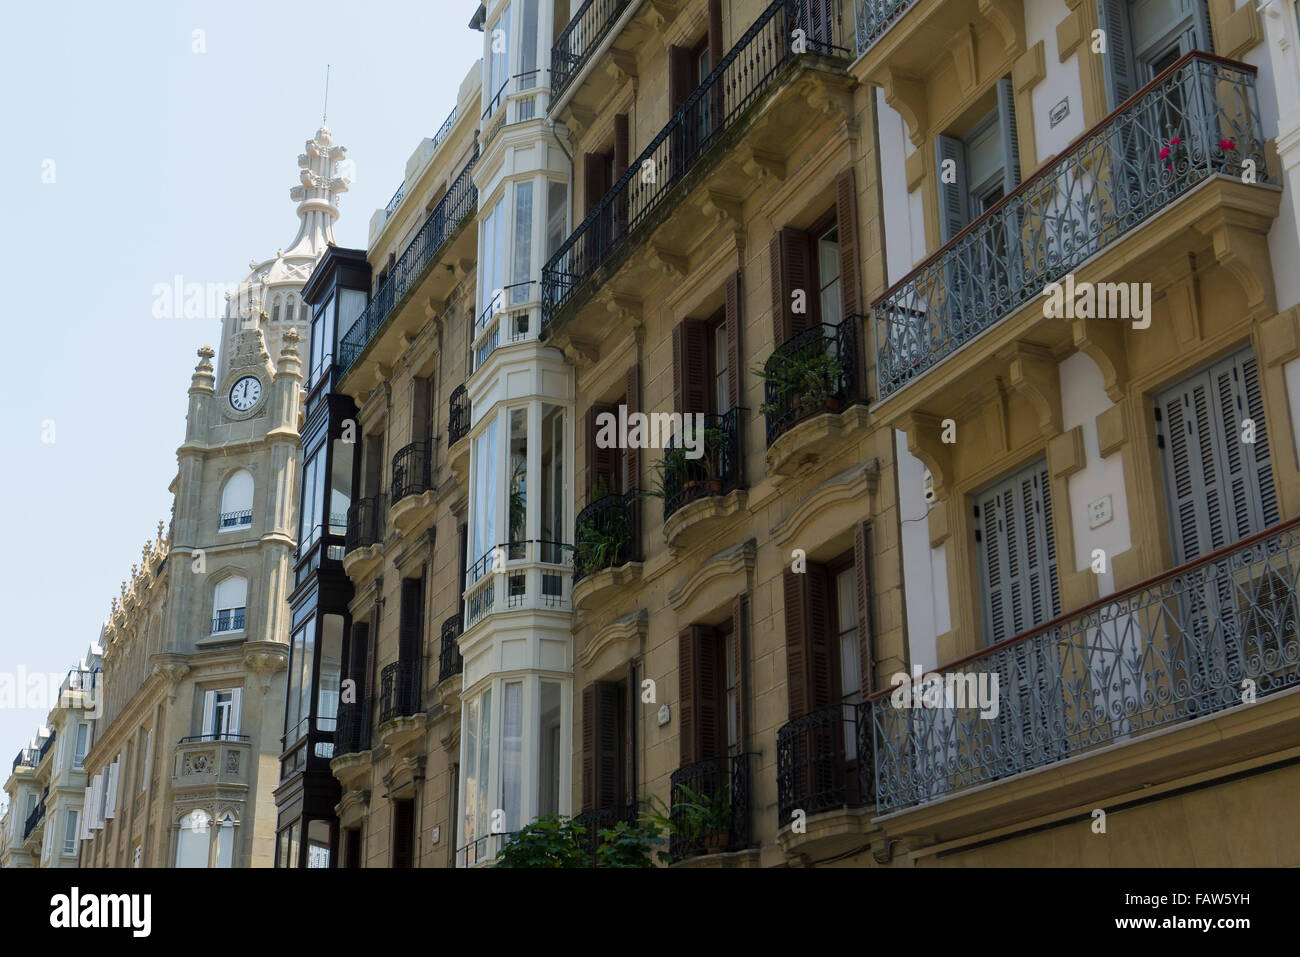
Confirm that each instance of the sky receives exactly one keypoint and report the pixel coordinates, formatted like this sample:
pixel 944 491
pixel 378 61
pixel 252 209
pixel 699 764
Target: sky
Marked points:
pixel 133 150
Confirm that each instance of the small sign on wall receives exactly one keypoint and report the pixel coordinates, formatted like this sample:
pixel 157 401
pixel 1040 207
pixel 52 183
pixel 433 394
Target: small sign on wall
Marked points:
pixel 1059 112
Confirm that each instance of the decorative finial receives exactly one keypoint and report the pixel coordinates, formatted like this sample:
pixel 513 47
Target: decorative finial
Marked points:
pixel 123 587
pixel 160 531
pixel 205 355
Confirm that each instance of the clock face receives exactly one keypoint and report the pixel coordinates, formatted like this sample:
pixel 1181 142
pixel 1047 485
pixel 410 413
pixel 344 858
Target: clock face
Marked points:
pixel 245 393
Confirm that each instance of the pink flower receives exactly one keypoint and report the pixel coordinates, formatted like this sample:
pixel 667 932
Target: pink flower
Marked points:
pixel 1164 153
pixel 1227 144
pixel 1175 140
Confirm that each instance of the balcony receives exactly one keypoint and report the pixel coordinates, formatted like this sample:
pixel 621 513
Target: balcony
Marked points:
pixel 578 42
pixel 811 395
pixel 520 98
pixel 363 543
pixel 698 134
pixel 519 576
pixel 36 817
pixel 1098 686
pixel 450 663
pixel 606 555
pixel 411 489
pixel 873 18
pixel 696 490
pixel 77 690
pixel 442 226
pixel 823 773
pixel 27 758
pixel 458 415
pixel 399 691
pixel 210 764
pixel 230 521
pixel 228 621
pixel 1196 122
pixel 710 809
pixel 45 747
pixel 350 732
pixel 604 819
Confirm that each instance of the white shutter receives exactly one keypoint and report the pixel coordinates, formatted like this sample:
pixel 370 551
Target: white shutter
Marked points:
pixel 1010 141
pixel 236 704
pixel 110 795
pixel 1117 62
pixel 148 759
pixel 209 711
pixel 954 212
pixel 96 789
pixel 83 827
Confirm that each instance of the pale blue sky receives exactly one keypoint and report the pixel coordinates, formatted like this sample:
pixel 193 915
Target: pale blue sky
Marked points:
pixel 166 161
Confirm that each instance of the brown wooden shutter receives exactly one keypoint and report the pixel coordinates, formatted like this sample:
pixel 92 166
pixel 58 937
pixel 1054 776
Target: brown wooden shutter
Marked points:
pixel 810 676
pixel 680 76
pixel 621 143
pixel 601 463
pixel 409 632
pixel 691 366
pixel 608 784
pixel 734 352
pixel 593 180
pixel 740 654
pixel 791 268
pixel 633 400
pixel 403 833
pixel 715 33
pixel 589 747
pixel 358 655
pixel 846 215
pixel 686 717
pixel 711 732
pixel 862 570
pixel 464 567
pixel 632 707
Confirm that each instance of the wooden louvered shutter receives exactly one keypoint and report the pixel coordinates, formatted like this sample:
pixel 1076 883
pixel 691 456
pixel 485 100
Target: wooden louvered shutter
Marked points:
pixel 795 644
pixel 686 716
pixel 589 747
pixel 1258 456
pixel 710 733
pixel 403 833
pixel 810 677
pixel 409 631
pixel 1010 141
pixel 739 655
pixel 680 77
pixel 690 366
pixel 358 648
pixel 631 710
pixel 1204 34
pixel 862 575
pixel 602 464
pixel 464 568
pixel 954 212
pixel 846 220
pixel 608 784
pixel 621 143
pixel 593 180
pixel 791 270
pixel 1017 554
pixel 632 480
pixel 734 352
pixel 1117 62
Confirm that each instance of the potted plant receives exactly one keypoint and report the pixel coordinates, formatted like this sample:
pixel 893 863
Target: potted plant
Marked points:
pixel 809 378
pixel 603 538
pixel 629 845
pixel 698 821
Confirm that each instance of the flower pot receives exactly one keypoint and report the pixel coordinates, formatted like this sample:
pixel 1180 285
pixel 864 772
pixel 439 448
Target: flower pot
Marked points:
pixel 714 840
pixel 701 487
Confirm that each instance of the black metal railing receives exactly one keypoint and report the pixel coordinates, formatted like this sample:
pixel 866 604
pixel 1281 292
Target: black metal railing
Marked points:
pixel 1198 119
pixel 236 519
pixel 445 130
pixel 455 207
pixel 349 731
pixel 1177 647
pixel 35 818
pixel 605 534
pixel 396 200
pixel 412 470
pixel 458 415
pixel 365 522
pixel 710 807
pixel 449 659
pixel 823 761
pixel 399 690
pixel 27 758
pixel 228 621
pixel 216 736
pixel 579 40
pixel 46 744
pixel 738 81
pixel 604 819
pixel 715 472
pixel 814 371
pixel 874 18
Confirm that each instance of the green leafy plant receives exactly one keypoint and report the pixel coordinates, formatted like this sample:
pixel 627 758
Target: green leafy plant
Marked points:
pixel 628 845
pixel 549 841
pixel 696 819
pixel 812 376
pixel 518 501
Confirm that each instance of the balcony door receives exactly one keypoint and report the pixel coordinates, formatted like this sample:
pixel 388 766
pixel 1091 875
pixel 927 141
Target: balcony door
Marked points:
pixel 1145 37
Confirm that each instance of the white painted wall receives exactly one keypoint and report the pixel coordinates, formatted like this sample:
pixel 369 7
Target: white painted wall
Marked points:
pixel 904 213
pixel 1061 82
pixel 925 569
pixel 1083 398
pixel 1292 372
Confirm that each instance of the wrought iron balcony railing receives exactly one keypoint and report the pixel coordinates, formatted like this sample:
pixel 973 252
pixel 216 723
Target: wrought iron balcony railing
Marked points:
pixel 350 731
pixel 228 621
pixel 1198 119
pixel 814 371
pixel 604 819
pixel 1171 649
pixel 27 758
pixel 237 519
pixel 738 82
pixel 709 807
pixel 35 818
pixel 823 761
pixel 605 534
pixel 449 659
pixel 579 40
pixel 458 416
pixel 46 744
pixel 365 522
pixel 459 203
pixel 412 470
pixel 399 690
pixel 716 472
pixel 873 19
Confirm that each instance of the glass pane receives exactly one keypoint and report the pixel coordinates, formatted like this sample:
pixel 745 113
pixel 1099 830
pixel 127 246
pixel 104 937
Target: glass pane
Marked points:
pixel 720 389
pixel 470 731
pixel 341 486
pixel 528 46
pixel 484 752
pixel 846 600
pixel 486 490
pixel 331 666
pixel 557 209
pixel 553 484
pixel 512 746
pixel 518 482
pixel 226 843
pixel 548 748
pixel 828 272
pixel 318 844
pixel 523 253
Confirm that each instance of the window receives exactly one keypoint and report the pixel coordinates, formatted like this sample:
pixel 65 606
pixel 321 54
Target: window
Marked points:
pixel 226 840
pixel 403 834
pixel 146 769
pixel 485 491
pixel 237 502
pixel 79 752
pixel 512 750
pixel 318 844
pixel 228 604
pixel 71 821
pixel 984 163
pixel 548 746
pixel 492 267
pixel 718 364
pixel 518 510
pixel 498 39
pixel 476 731
pixel 554 488
pixel 193 839
pixel 528 46
pixel 221 713
pixel 313 501
pixel 606 747
pixel 1143 37
pixel 302 653
pixel 287 845
pixel 557 215
pixel 523 244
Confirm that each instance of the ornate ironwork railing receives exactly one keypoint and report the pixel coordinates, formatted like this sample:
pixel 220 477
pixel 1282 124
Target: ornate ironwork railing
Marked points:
pixel 230 621
pixel 814 371
pixel 349 731
pixel 1168 650
pixel 445 130
pixel 874 18
pixel 412 470
pixel 396 200
pixel 716 472
pixel 459 203
pixel 236 519
pixel 579 40
pixel 449 660
pixel 604 819
pixel 365 522
pixel 458 415
pixel 46 744
pixel 731 88
pixel 399 690
pixel 605 534
pixel 215 736
pixel 35 818
pixel 27 758
pixel 1199 118
pixel 823 761
pixel 710 807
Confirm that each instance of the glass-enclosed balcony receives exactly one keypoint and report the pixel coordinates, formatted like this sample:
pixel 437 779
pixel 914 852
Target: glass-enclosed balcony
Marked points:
pixel 1197 120
pixel 1178 647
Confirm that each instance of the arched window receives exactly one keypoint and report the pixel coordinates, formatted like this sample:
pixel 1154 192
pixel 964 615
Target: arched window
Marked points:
pixel 237 502
pixel 228 603
pixel 290 308
pixel 226 840
pixel 275 309
pixel 193 839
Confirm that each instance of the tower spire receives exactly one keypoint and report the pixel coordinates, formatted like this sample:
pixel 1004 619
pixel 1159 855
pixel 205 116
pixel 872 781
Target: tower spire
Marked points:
pixel 317 196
